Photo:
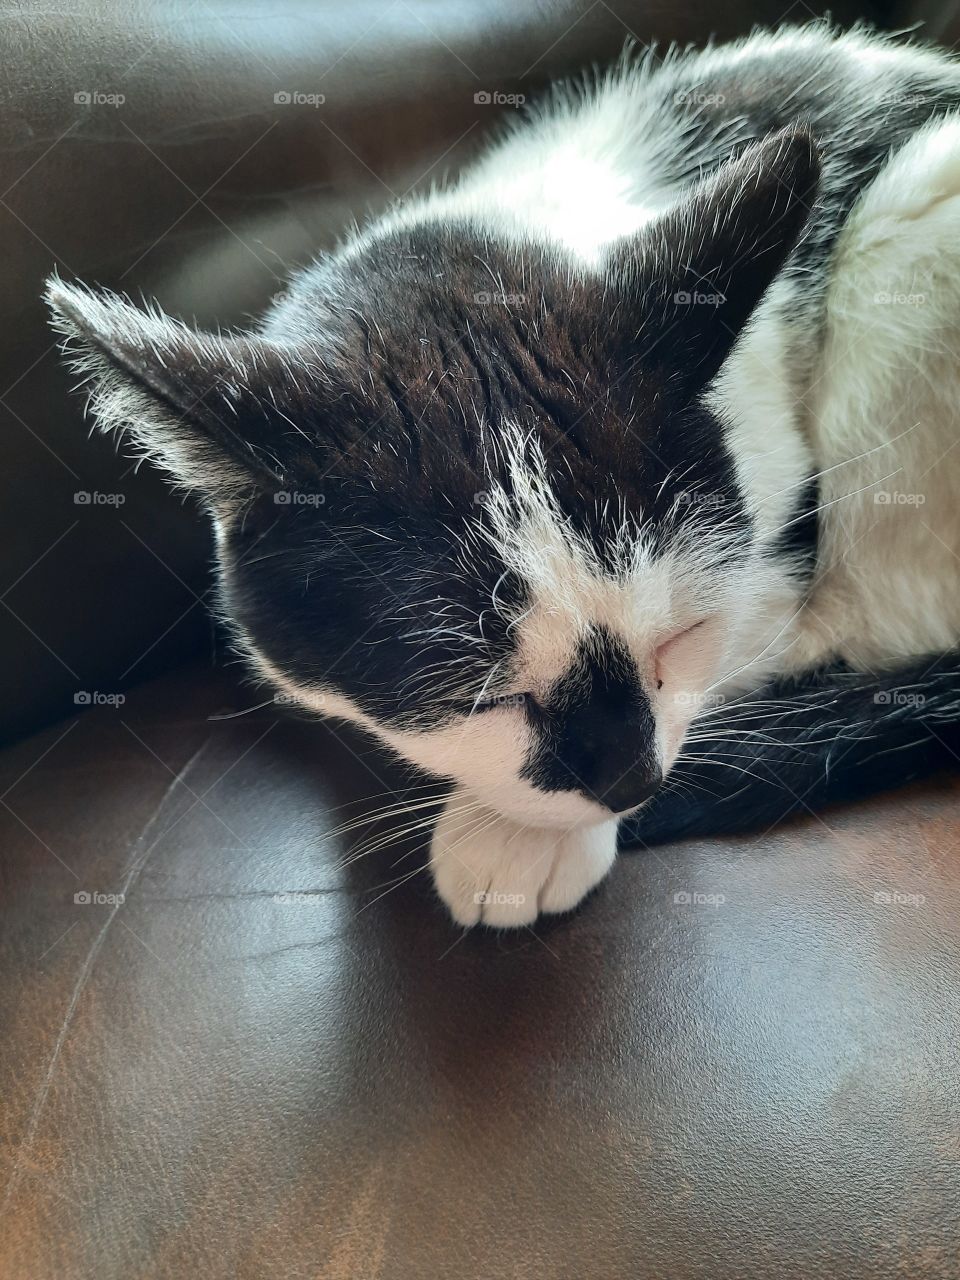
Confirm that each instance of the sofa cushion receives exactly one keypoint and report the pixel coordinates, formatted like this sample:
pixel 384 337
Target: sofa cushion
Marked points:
pixel 738 1058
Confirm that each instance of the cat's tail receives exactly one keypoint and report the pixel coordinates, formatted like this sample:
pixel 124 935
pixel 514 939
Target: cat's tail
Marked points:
pixel 798 745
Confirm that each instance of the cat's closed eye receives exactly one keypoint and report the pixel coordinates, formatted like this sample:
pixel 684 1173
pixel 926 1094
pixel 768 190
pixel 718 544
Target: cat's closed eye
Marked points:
pixel 672 642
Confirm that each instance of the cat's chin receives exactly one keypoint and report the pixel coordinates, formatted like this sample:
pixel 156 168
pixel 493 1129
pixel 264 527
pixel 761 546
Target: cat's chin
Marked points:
pixel 551 810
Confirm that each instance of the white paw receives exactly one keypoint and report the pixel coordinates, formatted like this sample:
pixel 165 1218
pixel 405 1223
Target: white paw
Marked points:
pixel 487 868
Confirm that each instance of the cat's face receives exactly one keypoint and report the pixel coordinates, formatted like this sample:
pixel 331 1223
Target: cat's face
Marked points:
pixel 541 627
pixel 468 494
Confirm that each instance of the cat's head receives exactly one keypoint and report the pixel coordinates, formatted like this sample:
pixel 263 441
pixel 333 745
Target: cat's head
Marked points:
pixel 469 494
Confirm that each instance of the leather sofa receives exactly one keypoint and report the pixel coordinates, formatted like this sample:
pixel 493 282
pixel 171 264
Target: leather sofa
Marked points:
pixel 231 1045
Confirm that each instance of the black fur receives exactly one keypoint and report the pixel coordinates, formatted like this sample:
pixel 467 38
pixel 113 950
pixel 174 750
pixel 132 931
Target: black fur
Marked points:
pixel 798 746
pixel 597 731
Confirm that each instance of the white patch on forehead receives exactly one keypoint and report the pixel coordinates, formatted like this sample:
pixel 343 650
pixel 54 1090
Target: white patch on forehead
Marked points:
pixel 634 595
pixel 537 540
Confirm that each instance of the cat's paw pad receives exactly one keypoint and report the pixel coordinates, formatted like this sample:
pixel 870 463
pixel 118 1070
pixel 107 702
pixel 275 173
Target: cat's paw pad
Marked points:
pixel 491 870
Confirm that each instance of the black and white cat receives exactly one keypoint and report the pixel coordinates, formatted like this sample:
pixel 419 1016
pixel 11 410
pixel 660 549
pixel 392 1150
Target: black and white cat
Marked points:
pixel 619 479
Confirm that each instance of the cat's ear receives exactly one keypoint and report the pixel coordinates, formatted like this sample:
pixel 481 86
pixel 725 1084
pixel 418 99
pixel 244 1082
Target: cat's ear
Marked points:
pixel 188 400
pixel 696 273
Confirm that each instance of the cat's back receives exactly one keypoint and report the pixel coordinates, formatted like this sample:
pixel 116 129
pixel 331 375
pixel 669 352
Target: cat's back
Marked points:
pixel 860 93
pixel 598 158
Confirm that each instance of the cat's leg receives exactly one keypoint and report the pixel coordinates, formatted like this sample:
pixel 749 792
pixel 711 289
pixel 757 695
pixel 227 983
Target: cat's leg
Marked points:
pixel 490 869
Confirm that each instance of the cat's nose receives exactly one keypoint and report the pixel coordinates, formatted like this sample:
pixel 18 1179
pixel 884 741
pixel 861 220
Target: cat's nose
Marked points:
pixel 599 733
pixel 630 789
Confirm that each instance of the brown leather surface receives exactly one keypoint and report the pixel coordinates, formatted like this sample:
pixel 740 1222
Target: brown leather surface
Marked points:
pixel 199 189
pixel 210 1082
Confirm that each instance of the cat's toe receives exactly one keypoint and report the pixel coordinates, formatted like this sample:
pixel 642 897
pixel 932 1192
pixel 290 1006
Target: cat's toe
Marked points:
pixel 583 861
pixel 490 871
pixel 458 889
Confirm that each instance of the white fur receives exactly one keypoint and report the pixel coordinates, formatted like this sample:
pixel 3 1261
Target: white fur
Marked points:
pixel 488 868
pixel 888 388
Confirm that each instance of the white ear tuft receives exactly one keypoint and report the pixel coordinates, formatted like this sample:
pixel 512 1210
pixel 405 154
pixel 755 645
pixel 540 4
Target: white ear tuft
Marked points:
pixel 177 393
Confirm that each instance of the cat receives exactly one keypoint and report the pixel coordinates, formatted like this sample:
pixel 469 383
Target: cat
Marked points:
pixel 617 482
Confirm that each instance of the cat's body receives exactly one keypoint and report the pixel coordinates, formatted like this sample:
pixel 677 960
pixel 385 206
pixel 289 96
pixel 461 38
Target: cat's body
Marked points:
pixel 636 426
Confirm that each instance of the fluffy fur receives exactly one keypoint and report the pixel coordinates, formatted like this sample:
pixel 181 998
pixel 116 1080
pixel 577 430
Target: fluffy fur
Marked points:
pixel 616 480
